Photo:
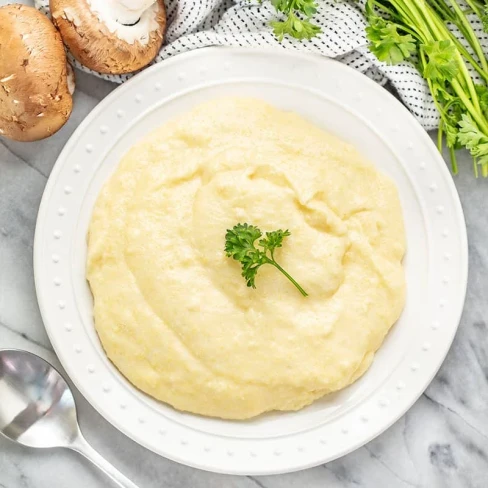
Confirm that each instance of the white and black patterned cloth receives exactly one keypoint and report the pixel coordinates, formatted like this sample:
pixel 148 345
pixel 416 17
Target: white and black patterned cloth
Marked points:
pixel 193 24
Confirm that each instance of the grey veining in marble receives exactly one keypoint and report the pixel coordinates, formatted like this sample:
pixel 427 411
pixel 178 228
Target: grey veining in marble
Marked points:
pixel 442 442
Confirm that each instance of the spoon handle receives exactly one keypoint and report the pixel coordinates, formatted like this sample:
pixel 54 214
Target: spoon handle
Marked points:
pixel 81 446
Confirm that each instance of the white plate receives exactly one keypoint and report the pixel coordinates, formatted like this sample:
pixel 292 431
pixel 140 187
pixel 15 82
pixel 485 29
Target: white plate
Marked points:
pixel 343 102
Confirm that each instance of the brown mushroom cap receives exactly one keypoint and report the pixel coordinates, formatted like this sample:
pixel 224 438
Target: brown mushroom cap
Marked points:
pixel 34 98
pixel 108 48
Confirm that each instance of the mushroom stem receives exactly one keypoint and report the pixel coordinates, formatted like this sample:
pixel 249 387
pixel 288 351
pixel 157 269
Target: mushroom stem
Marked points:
pixel 128 12
pixel 70 78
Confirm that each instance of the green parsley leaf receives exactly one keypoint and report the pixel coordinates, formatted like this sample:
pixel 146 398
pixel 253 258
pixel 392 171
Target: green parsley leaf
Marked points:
pixel 282 5
pixel 387 43
pixel 473 139
pixel 295 27
pixel 451 135
pixel 452 118
pixel 442 62
pixel 484 18
pixel 306 7
pixel 274 239
pixel 482 92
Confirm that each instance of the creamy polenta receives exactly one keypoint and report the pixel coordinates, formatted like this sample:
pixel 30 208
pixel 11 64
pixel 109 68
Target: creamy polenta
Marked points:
pixel 174 314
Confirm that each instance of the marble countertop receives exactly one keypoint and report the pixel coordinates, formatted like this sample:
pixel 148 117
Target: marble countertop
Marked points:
pixel 441 442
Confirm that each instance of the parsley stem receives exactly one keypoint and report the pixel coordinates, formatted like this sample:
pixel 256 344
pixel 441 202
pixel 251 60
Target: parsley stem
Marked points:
pixel 477 115
pixel 300 289
pixel 452 153
pixel 469 34
pixel 474 8
pixel 381 7
pixel 442 9
pixel 440 135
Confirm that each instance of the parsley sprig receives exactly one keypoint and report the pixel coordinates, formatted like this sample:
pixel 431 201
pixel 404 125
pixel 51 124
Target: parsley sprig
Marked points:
pixel 418 31
pixel 240 245
pixel 297 23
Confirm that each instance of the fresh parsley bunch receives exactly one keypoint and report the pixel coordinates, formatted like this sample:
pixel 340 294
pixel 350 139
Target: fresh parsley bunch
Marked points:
pixel 240 245
pixel 418 31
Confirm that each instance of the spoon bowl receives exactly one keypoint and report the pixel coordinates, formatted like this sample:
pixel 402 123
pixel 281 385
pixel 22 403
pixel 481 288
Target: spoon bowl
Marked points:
pixel 37 409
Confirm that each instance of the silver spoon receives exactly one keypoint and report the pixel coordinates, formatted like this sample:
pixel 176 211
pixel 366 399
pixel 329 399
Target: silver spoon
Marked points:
pixel 37 409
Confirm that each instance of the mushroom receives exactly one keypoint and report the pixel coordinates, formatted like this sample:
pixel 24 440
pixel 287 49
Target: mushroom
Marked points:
pixel 35 100
pixel 111 36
